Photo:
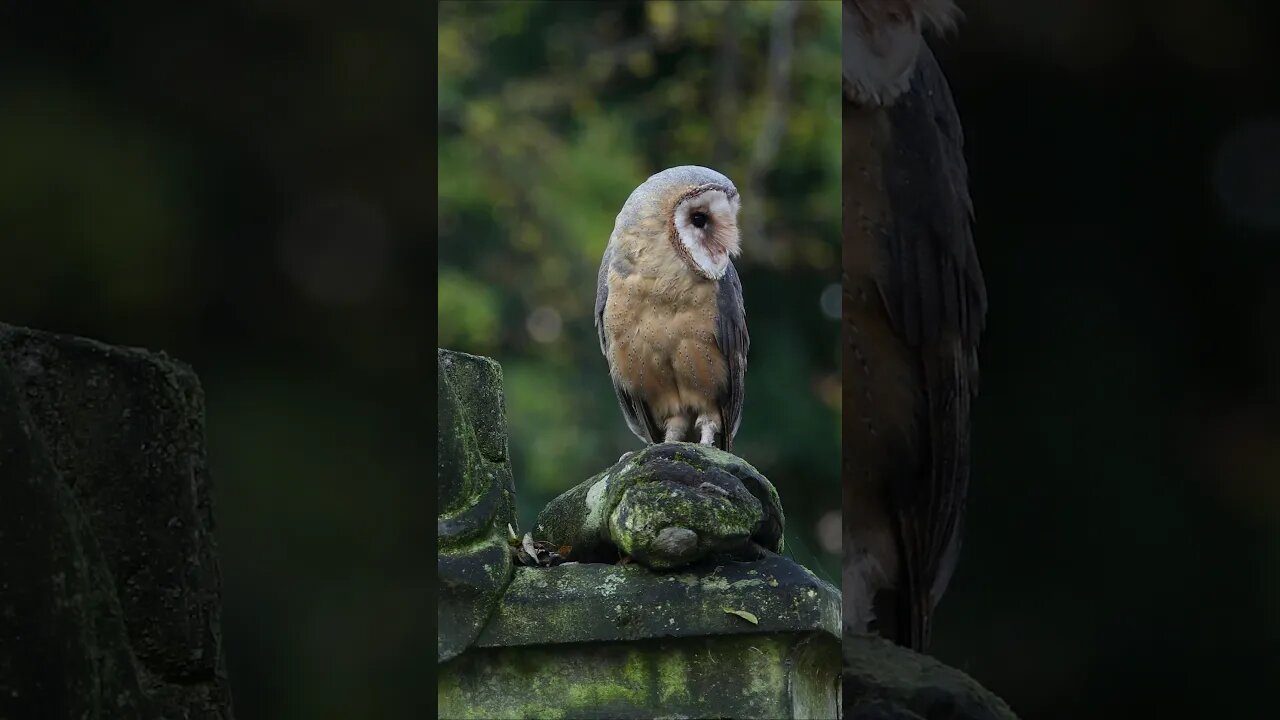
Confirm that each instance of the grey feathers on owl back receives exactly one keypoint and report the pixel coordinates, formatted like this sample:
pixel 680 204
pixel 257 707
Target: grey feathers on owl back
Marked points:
pixel 661 183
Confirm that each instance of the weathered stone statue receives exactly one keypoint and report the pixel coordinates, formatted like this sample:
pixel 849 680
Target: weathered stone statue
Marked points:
pixel 668 506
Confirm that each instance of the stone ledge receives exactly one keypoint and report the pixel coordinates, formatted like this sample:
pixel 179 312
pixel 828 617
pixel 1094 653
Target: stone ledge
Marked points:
pixel 595 602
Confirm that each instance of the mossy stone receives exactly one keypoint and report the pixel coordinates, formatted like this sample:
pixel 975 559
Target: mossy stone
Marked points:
pixel 476 498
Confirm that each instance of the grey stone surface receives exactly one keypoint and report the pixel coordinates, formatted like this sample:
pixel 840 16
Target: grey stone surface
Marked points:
pixel 104 460
pixel 596 602
pixel 883 681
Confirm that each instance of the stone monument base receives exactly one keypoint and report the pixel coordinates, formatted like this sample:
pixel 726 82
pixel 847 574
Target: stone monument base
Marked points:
pixel 741 639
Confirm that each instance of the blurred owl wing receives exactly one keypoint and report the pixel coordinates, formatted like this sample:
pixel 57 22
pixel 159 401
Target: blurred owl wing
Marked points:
pixel 602 297
pixel 734 341
pixel 935 294
pixel 634 410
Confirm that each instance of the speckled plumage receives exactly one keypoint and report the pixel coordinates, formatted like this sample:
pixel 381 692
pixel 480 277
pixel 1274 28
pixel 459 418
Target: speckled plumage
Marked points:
pixel 669 309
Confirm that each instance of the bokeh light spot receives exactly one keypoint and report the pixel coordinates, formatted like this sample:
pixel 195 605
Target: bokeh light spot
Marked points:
pixel 830 301
pixel 830 531
pixel 336 250
pixel 544 325
pixel 1246 173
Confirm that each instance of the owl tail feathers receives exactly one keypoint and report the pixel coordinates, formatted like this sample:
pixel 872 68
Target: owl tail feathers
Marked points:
pixel 725 440
pixel 914 622
pixel 903 621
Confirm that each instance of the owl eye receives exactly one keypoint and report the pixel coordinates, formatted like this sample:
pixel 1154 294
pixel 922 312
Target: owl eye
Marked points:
pixel 699 219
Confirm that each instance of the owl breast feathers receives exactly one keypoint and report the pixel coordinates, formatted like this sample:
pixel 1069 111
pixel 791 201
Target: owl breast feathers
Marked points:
pixel 669 309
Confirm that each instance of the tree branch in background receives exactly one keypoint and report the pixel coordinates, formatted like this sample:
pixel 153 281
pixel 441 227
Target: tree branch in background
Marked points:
pixel 728 57
pixel 775 120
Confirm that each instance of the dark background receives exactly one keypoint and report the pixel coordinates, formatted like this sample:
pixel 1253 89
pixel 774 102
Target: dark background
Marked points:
pixel 1121 554
pixel 246 185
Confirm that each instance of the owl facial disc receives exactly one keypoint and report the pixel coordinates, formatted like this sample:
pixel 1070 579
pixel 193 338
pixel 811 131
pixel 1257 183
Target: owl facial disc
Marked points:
pixel 706 225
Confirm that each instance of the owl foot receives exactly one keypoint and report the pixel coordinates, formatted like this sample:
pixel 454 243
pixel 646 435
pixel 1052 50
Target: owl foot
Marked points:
pixel 676 429
pixel 708 427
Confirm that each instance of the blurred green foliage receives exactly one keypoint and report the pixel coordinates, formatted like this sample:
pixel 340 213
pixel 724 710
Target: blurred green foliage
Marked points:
pixel 549 115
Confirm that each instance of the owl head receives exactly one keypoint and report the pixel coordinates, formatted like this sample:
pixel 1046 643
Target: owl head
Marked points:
pixel 881 41
pixel 693 208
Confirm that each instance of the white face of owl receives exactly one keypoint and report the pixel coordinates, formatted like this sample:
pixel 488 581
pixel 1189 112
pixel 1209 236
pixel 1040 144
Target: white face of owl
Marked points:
pixel 707 230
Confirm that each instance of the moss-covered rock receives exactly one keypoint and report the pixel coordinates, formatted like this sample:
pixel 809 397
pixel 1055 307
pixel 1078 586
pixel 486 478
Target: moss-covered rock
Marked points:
pixel 476 498
pixel 883 681
pixel 667 506
pixel 111 594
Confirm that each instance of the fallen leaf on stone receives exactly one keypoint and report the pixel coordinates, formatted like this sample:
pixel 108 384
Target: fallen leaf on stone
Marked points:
pixel 565 550
pixel 536 553
pixel 749 617
pixel 511 535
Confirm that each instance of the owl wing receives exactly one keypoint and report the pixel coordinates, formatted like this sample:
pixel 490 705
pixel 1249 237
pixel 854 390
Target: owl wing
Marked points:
pixel 733 340
pixel 602 297
pixel 933 289
pixel 634 410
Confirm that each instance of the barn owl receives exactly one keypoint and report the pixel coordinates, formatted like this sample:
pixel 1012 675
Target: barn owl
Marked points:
pixel 669 309
pixel 914 308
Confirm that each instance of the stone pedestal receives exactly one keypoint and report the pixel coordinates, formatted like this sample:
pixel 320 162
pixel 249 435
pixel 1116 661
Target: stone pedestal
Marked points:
pixel 597 640
pixel 752 636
